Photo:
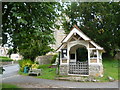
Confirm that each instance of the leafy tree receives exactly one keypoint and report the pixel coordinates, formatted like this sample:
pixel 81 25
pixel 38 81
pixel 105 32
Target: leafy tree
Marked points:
pixel 29 26
pixel 10 51
pixel 99 20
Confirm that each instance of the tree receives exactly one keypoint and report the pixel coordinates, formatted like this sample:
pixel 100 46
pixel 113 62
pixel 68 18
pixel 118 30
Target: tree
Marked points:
pixel 10 51
pixel 98 20
pixel 29 26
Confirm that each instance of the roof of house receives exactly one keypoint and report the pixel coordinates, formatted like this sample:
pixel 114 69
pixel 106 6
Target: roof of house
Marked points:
pixel 74 30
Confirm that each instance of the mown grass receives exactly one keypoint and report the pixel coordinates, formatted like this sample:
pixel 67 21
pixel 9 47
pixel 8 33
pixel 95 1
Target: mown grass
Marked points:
pixel 110 69
pixel 47 73
pixel 5 59
pixel 6 86
pixel 22 73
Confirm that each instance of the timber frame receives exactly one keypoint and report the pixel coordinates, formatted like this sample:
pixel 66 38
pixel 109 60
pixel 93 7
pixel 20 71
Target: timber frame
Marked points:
pixel 74 40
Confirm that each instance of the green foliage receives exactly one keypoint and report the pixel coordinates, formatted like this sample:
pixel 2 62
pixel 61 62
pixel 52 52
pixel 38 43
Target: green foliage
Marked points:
pixel 5 85
pixel 36 62
pixel 47 73
pixel 23 63
pixel 5 59
pixel 54 58
pixel 99 20
pixel 44 66
pixel 34 66
pixel 30 26
pixel 10 51
pixel 111 67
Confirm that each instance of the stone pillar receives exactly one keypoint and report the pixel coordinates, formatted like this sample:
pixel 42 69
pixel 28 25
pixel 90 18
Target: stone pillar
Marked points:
pixel 63 69
pixel 95 70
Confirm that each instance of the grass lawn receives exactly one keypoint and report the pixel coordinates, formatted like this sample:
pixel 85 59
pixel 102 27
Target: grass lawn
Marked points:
pixel 21 73
pixel 47 73
pixel 4 86
pixel 5 59
pixel 110 69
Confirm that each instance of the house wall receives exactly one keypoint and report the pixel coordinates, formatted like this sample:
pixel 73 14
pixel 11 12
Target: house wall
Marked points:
pixel 3 51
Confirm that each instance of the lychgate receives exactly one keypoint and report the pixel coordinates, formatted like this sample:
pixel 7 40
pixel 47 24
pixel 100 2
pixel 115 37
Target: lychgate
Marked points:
pixel 79 55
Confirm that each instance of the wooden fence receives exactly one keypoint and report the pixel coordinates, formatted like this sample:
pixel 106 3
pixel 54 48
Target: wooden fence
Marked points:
pixel 79 68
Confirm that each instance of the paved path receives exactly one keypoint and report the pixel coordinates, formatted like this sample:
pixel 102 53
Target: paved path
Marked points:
pixel 10 70
pixel 32 82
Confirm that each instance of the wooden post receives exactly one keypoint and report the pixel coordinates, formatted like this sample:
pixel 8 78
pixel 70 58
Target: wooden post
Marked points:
pixel 97 56
pixel 58 62
pixel 88 56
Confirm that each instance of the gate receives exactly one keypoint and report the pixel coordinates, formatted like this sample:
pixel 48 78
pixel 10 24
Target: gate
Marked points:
pixel 80 68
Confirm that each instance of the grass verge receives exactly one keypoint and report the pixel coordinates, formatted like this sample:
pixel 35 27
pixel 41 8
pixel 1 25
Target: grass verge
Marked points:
pixel 5 59
pixel 47 73
pixel 6 86
pixel 110 69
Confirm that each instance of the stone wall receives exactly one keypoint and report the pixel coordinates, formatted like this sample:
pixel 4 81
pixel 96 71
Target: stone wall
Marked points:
pixel 117 56
pixel 44 59
pixel 63 69
pixel 95 70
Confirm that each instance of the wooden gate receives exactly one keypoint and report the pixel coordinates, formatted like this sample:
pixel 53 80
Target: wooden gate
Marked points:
pixel 79 68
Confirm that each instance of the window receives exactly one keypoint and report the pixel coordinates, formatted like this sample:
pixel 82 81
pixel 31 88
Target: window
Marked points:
pixel 93 53
pixel 1 51
pixel 64 53
pixel 72 56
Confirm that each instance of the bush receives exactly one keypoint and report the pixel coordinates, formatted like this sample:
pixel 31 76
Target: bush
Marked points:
pixel 24 63
pixel 35 66
pixel 54 58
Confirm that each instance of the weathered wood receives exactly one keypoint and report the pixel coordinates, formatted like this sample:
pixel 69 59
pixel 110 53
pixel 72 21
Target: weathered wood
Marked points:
pixel 35 71
pixel 79 68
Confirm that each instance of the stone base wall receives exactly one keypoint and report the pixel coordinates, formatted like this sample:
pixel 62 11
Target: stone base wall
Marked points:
pixel 63 70
pixel 96 70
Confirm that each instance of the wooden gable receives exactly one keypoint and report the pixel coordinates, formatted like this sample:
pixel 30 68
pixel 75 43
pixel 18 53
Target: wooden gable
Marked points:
pixel 77 34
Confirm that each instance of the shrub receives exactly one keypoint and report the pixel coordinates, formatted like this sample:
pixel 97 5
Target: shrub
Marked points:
pixel 54 58
pixel 35 66
pixel 24 63
pixel 37 62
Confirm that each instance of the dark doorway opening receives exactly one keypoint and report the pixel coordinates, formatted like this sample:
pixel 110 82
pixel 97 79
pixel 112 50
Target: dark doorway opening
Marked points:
pixel 81 54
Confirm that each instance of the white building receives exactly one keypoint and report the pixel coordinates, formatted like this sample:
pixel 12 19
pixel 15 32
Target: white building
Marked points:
pixel 16 56
pixel 79 55
pixel 3 50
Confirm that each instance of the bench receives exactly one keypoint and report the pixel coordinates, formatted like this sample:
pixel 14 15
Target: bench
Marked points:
pixel 35 71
